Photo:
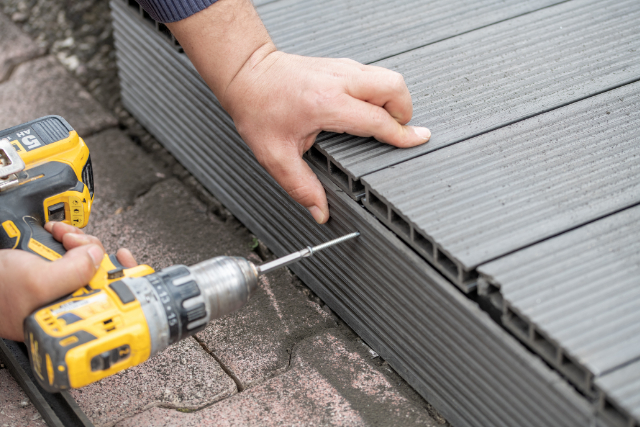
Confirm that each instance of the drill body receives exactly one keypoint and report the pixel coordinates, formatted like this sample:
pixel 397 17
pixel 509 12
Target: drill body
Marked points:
pixel 122 316
pixel 125 316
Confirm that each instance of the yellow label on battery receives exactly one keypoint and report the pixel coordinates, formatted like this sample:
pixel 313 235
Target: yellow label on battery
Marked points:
pixel 12 231
pixel 43 251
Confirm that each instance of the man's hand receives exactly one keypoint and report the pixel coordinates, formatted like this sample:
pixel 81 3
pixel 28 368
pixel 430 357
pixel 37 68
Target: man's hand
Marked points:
pixel 27 282
pixel 280 102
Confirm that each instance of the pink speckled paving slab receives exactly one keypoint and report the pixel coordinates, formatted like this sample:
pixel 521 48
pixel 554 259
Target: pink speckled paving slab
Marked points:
pixel 15 407
pixel 332 382
pixel 255 343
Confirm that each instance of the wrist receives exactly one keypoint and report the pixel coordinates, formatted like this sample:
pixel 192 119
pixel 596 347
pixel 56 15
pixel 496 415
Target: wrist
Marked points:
pixel 223 39
pixel 248 77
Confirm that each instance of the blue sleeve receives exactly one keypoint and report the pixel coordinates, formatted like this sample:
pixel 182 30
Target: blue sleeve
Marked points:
pixel 173 10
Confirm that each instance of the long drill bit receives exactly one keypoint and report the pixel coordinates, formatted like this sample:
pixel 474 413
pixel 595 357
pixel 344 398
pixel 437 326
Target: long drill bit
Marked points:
pixel 304 253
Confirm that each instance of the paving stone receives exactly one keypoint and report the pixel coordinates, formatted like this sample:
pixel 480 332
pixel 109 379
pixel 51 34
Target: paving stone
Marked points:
pixel 15 407
pixel 255 343
pixel 42 86
pixel 332 382
pixel 184 376
pixel 15 47
pixel 122 171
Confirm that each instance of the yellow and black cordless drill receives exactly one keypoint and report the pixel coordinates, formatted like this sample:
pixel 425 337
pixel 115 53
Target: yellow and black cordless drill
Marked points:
pixel 122 316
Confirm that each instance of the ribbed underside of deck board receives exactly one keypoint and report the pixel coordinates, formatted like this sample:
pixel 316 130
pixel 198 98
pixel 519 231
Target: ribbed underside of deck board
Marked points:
pixel 488 78
pixel 491 195
pixel 459 359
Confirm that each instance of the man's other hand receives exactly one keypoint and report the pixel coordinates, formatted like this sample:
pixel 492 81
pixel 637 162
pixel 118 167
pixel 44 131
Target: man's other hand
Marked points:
pixel 28 282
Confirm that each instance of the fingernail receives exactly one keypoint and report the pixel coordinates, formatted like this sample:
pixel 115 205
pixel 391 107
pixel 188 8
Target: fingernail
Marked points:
pixel 96 255
pixel 317 214
pixel 423 133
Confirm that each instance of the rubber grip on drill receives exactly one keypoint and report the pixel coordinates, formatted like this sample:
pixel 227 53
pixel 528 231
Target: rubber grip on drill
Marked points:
pixel 27 234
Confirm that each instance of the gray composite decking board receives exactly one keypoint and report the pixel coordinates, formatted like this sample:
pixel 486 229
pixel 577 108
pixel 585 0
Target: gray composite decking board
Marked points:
pixel 441 342
pixel 580 293
pixel 622 387
pixel 488 78
pixel 371 30
pixel 580 289
pixel 491 195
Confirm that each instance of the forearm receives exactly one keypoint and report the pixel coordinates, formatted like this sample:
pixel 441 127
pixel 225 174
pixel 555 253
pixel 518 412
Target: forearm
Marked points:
pixel 223 39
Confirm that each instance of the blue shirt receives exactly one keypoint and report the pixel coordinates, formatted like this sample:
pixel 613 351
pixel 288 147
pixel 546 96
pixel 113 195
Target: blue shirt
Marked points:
pixel 173 10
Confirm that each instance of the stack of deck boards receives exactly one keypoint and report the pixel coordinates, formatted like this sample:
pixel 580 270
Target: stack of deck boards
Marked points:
pixel 523 196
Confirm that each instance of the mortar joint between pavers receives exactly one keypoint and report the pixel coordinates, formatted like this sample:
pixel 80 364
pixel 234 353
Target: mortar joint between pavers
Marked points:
pixel 224 367
pixel 14 66
pixel 145 191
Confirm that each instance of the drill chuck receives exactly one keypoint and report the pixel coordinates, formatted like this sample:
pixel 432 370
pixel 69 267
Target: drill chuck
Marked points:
pixel 227 283
pixel 179 301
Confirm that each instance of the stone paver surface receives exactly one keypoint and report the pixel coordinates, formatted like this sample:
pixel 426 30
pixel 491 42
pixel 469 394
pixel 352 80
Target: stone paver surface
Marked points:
pixel 15 408
pixel 122 171
pixel 15 47
pixel 41 87
pixel 184 376
pixel 168 226
pixel 255 343
pixel 330 382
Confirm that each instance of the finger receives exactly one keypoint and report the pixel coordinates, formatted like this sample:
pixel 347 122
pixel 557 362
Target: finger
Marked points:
pixel 125 257
pixel 364 119
pixel 59 229
pixel 71 240
pixel 384 88
pixel 298 180
pixel 67 274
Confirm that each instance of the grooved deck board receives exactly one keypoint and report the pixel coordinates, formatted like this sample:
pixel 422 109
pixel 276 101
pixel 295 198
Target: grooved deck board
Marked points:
pixel 623 387
pixel 371 30
pixel 494 76
pixel 581 291
pixel 502 191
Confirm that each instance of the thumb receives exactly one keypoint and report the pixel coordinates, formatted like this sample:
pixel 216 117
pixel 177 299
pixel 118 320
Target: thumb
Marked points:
pixel 69 273
pixel 296 177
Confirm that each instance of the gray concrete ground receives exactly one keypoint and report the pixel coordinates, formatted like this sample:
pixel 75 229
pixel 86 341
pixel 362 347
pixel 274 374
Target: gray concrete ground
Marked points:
pixel 284 359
